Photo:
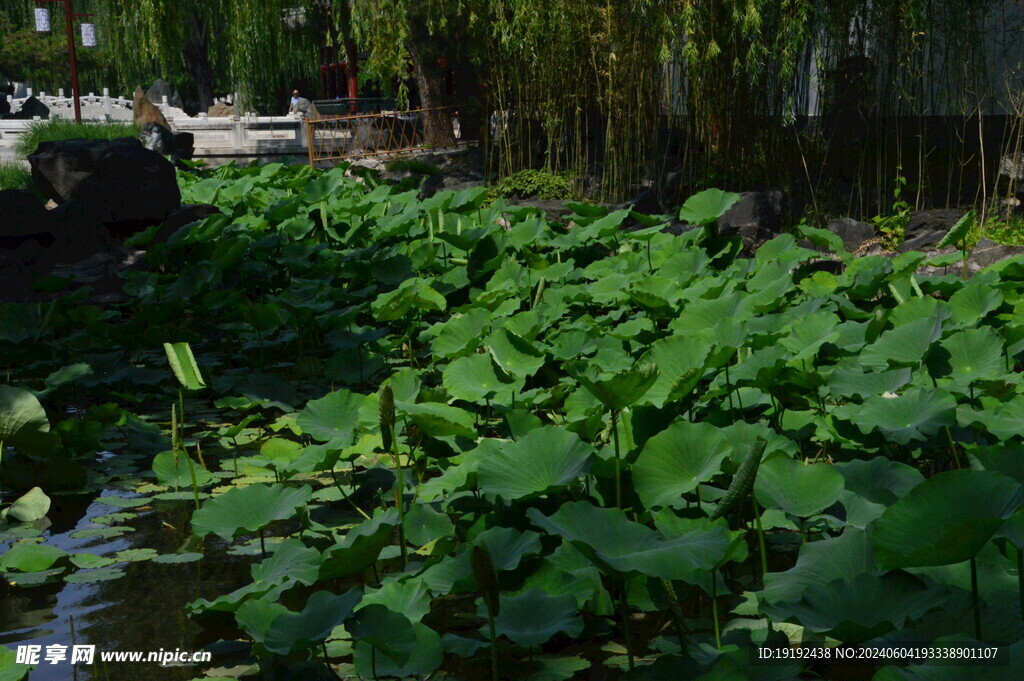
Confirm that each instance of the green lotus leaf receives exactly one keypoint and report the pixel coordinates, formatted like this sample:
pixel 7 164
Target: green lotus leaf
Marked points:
pixel 439 420
pixel 29 507
pixel 412 293
pixel 676 460
pixel 291 560
pixel 183 364
pixel 335 416
pixel 473 378
pixel 135 555
pixel 360 547
pixel 946 519
pixel 707 206
pixel 290 632
pixel 426 654
pixel 514 354
pixel 256 615
pixel 797 488
pixel 90 560
pixel 92 576
pixel 543 459
pixel 620 390
pixel 620 546
pixel 958 232
pixel 972 303
pixel 30 557
pixel 845 383
pixel 905 345
pixel 459 335
pixel 176 558
pixel 973 354
pixel 409 597
pixel 680 362
pixel 247 509
pixel 424 524
pixel 388 631
pixel 10 668
pixel 173 470
pixel 533 617
pixel 873 485
pixel 821 562
pixel 806 335
pixel 914 415
pixel 23 422
pixel 863 608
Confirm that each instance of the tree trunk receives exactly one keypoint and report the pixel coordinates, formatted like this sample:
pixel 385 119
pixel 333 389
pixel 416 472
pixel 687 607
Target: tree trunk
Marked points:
pixel 196 54
pixel 425 50
pixel 466 81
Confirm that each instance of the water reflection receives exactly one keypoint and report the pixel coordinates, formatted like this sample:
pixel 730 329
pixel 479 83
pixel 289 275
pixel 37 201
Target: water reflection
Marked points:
pixel 144 610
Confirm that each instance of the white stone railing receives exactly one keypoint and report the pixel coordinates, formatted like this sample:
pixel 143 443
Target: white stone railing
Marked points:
pixel 242 137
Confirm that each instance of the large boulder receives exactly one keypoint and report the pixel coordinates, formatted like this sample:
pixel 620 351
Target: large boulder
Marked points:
pixel 987 252
pixel 177 145
pixel 31 108
pixel 925 228
pixel 115 183
pixel 220 110
pixel 25 219
pixel 144 111
pixel 756 217
pixel 853 232
pixel 160 89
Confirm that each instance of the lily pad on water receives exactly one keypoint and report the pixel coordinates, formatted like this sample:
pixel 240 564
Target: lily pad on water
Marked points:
pixel 175 558
pixel 91 576
pixel 135 555
pixel 30 557
pixel 90 560
pixel 248 509
pixel 29 507
pixel 123 502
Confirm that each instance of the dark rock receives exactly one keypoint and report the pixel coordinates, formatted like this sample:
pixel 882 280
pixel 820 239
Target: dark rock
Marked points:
pixel 177 145
pixel 160 89
pixel 852 232
pixel 185 215
pixel 5 106
pixel 116 183
pixel 25 219
pixel 988 252
pixel 184 146
pixel 157 138
pixel 755 218
pixel 31 108
pixel 553 210
pixel 925 228
pixel 457 171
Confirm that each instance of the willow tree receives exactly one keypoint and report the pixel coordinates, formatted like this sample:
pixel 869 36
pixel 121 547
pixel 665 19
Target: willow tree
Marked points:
pixel 429 36
pixel 253 44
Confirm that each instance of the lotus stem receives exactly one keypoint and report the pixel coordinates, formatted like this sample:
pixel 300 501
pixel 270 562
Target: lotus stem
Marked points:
pixel 624 606
pixel 263 546
pixel 1020 579
pixel 195 484
pixel 714 608
pixel 975 598
pixel 618 464
pixel 760 538
pixel 494 645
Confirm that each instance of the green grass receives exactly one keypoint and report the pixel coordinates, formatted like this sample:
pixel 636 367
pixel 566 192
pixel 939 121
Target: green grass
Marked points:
pixel 1000 230
pixel 58 129
pixel 14 176
pixel 539 184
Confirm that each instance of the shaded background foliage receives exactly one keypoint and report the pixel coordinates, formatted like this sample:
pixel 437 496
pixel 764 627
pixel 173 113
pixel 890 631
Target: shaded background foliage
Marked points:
pixel 825 100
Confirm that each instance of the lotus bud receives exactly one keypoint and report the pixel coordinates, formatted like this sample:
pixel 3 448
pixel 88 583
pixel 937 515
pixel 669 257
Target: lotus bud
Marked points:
pixel 386 416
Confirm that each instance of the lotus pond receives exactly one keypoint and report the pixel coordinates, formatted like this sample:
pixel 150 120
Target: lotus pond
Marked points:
pixel 339 431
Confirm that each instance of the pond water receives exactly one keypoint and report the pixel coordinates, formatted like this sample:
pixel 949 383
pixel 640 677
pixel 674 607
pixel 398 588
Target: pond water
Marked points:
pixel 143 610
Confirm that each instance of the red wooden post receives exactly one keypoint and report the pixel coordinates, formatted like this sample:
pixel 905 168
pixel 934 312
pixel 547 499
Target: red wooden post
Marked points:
pixel 69 21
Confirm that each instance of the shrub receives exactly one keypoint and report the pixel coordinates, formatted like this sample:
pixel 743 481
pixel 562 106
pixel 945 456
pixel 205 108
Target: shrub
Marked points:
pixel 540 184
pixel 60 129
pixel 412 165
pixel 14 176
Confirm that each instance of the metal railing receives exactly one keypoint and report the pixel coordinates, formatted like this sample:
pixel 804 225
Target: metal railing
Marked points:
pixel 378 134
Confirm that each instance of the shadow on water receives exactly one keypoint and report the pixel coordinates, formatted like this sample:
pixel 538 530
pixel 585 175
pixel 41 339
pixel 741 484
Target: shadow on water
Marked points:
pixel 144 610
